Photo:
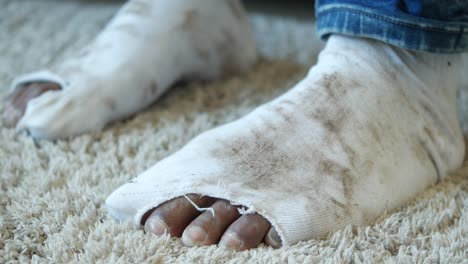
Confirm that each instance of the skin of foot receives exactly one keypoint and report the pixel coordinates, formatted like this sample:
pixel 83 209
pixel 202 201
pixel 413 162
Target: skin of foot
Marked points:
pixel 367 129
pixel 146 48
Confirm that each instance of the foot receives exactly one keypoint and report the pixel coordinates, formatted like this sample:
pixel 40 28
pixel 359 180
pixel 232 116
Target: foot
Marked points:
pixel 145 49
pixel 368 128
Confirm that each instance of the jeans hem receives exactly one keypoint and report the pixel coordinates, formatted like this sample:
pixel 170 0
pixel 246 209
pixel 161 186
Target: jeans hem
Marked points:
pixel 405 31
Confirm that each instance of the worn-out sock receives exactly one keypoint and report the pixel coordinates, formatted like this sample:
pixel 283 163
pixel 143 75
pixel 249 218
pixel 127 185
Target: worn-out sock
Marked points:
pixel 147 47
pixel 369 127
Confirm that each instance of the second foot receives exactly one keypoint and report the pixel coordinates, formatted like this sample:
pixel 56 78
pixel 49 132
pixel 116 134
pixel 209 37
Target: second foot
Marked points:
pixel 130 65
pixel 222 225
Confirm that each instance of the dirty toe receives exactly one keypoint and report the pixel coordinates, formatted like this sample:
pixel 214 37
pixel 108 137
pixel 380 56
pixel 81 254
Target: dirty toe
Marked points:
pixel 17 101
pixel 175 215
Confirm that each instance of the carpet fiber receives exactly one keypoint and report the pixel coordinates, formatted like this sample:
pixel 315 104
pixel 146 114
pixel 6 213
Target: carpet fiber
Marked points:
pixel 52 193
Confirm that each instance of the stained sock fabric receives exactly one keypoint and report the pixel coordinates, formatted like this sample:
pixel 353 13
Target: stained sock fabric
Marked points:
pixel 367 129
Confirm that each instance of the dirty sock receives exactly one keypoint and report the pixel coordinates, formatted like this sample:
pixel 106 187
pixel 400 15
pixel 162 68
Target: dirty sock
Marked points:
pixel 368 128
pixel 147 47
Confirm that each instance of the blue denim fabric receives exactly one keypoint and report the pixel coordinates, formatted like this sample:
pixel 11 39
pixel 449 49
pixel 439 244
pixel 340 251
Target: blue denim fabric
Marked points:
pixel 424 25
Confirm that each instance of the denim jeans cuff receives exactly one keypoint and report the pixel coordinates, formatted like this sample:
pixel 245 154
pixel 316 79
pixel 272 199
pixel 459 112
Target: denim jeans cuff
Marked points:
pixel 413 33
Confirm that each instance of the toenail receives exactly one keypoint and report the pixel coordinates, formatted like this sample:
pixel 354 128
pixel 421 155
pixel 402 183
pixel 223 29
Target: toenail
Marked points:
pixel 194 236
pixel 156 226
pixel 231 240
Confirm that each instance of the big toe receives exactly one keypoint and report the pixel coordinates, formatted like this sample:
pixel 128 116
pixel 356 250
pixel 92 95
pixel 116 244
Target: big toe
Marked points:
pixel 175 215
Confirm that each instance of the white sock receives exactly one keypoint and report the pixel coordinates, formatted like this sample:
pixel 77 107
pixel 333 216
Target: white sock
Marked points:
pixel 368 128
pixel 147 47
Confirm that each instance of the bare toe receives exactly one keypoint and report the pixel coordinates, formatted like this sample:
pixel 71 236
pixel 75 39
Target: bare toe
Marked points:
pixel 273 239
pixel 207 229
pixel 246 232
pixel 175 215
pixel 16 102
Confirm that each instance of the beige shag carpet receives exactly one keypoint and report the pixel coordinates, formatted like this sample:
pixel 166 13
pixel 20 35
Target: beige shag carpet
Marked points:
pixel 52 193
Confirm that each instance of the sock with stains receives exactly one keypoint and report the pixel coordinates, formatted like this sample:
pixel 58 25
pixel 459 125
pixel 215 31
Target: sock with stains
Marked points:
pixel 149 45
pixel 369 127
